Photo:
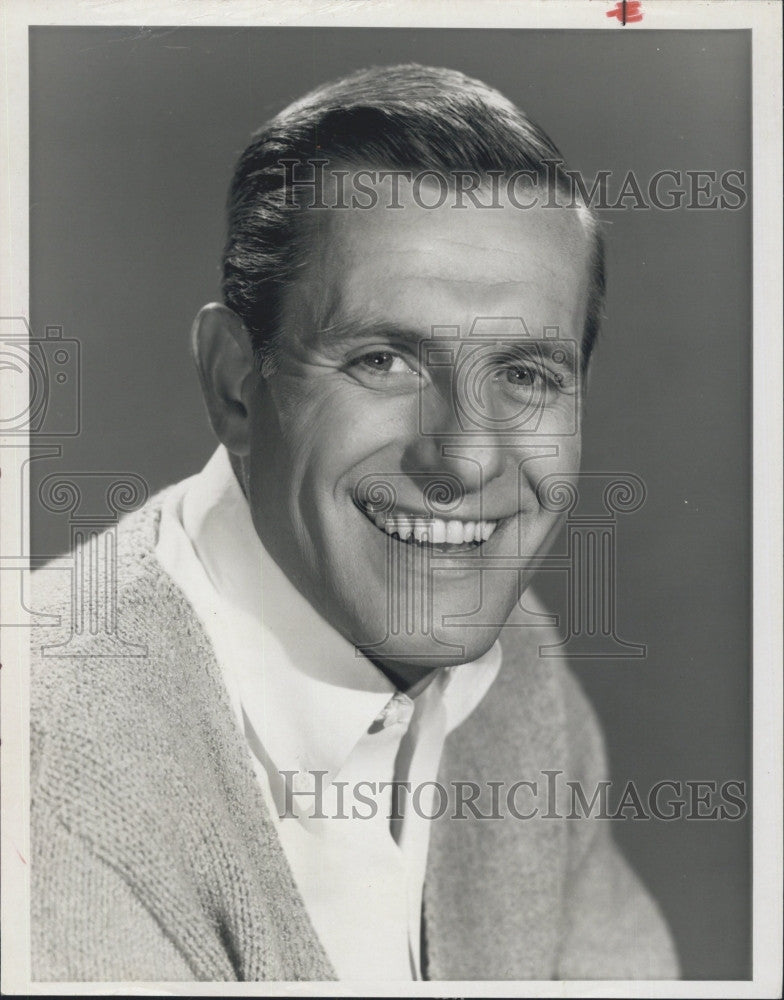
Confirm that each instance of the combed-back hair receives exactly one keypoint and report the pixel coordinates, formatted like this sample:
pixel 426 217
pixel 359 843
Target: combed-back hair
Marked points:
pixel 406 117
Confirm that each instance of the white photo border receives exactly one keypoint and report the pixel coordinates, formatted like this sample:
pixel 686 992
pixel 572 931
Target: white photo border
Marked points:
pixel 762 19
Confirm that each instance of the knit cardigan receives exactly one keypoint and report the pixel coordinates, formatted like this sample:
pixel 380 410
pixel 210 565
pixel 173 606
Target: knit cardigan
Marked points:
pixel 154 857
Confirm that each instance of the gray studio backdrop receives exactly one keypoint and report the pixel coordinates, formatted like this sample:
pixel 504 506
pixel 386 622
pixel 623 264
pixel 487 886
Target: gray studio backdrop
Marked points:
pixel 133 134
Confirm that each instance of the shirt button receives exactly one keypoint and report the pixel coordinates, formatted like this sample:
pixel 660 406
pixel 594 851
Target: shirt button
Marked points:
pixel 397 711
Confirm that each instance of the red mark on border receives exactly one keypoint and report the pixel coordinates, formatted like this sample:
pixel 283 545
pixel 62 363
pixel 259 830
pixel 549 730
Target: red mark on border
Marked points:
pixel 19 853
pixel 627 11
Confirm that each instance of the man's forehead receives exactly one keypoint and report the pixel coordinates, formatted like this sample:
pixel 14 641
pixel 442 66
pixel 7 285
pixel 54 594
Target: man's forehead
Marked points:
pixel 415 267
pixel 502 243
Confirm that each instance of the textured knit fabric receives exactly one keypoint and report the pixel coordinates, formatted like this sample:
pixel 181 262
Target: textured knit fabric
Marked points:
pixel 154 856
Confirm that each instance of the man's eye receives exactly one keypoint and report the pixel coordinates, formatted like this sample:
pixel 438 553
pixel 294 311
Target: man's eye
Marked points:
pixel 522 375
pixel 530 377
pixel 383 363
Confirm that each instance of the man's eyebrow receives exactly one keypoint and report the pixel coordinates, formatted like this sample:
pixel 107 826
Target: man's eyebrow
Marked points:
pixel 556 349
pixel 356 329
pixel 361 329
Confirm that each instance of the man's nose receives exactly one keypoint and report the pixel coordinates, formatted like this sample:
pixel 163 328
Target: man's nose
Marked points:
pixel 442 443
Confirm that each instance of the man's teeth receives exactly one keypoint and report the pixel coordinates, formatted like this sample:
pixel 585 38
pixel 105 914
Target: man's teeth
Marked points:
pixel 434 530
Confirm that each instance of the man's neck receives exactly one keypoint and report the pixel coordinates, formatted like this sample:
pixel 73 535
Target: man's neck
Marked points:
pixel 408 679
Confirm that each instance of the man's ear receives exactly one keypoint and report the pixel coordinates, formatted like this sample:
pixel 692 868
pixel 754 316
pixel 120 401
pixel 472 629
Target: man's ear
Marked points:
pixel 223 355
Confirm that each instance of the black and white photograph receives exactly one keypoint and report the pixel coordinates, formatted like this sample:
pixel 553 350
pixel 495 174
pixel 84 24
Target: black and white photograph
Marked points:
pixel 391 499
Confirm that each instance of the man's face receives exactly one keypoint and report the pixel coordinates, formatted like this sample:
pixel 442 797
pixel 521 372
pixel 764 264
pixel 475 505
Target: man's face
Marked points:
pixel 393 467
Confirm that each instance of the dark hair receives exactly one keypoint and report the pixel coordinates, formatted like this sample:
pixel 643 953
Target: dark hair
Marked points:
pixel 406 117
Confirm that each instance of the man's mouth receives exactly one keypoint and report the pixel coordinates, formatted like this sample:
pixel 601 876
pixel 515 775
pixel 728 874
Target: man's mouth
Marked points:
pixel 443 535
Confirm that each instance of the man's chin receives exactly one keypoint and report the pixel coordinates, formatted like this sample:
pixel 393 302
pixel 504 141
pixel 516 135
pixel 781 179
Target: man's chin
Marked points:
pixel 413 656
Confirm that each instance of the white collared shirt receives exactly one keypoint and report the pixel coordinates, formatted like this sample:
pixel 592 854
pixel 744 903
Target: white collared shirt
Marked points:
pixel 319 718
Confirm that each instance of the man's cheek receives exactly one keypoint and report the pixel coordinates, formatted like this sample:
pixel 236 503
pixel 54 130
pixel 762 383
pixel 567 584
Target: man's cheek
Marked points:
pixel 308 407
pixel 342 436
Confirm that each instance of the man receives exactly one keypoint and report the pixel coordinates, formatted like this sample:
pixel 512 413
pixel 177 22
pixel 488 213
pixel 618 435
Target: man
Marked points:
pixel 341 670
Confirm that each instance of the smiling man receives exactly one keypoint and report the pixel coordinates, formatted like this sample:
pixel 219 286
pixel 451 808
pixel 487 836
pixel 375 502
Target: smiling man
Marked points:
pixel 338 757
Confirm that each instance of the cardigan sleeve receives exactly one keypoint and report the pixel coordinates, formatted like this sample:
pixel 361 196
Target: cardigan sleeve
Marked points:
pixel 612 926
pixel 87 923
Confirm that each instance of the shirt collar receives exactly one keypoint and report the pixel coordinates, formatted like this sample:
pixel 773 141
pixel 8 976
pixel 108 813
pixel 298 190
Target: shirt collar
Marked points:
pixel 308 694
